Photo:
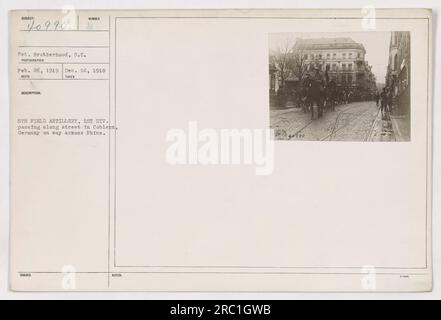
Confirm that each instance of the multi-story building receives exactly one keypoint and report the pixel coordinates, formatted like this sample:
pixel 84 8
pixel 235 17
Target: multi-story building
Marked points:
pixel 398 71
pixel 342 58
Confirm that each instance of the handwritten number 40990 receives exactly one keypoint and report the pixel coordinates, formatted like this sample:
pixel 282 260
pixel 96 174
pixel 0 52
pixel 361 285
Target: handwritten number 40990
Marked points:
pixel 49 25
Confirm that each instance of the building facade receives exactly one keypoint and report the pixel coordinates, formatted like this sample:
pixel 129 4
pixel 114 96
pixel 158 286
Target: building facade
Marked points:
pixel 342 58
pixel 398 71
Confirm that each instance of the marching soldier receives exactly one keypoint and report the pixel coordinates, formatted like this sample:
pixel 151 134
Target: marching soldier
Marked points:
pixel 315 93
pixel 332 88
pixel 377 98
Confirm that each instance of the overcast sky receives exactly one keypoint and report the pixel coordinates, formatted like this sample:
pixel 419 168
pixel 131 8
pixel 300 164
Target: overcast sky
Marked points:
pixel 376 44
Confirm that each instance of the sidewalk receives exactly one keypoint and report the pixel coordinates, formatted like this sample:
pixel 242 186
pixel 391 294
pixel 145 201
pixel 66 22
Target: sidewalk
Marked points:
pixel 382 130
pixel 395 129
pixel 401 127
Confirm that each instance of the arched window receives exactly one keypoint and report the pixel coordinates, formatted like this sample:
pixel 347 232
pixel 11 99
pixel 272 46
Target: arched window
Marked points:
pixel 396 62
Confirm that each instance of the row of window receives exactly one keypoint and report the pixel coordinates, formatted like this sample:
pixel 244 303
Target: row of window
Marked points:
pixel 345 78
pixel 328 56
pixel 344 66
pixel 334 67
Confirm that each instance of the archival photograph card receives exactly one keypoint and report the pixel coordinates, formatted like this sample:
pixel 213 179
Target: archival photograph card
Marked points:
pixel 221 150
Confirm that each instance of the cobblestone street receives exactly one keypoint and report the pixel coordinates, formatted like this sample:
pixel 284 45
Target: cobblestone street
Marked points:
pixel 359 121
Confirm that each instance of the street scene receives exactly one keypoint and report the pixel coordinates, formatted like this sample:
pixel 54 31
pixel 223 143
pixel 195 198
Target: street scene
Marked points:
pixel 340 87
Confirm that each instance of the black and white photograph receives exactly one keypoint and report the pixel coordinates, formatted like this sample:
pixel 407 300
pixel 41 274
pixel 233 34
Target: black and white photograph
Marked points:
pixel 340 86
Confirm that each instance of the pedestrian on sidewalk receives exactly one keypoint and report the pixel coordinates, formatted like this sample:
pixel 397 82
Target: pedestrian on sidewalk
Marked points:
pixel 384 103
pixel 390 100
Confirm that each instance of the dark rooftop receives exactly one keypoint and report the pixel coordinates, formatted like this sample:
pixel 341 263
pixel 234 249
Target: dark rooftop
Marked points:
pixel 327 43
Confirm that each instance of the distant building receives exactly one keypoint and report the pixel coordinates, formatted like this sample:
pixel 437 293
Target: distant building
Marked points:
pixel 342 58
pixel 398 71
pixel 380 86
